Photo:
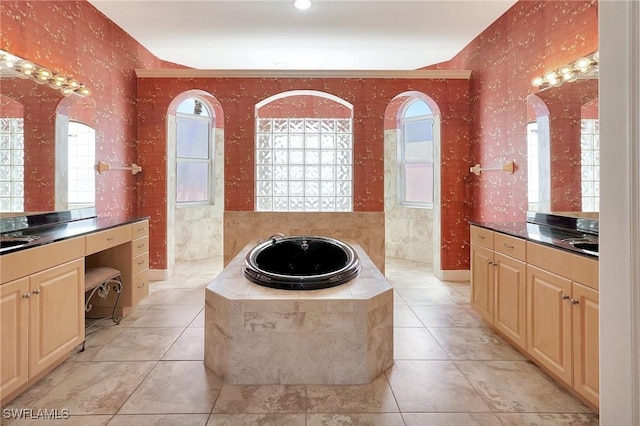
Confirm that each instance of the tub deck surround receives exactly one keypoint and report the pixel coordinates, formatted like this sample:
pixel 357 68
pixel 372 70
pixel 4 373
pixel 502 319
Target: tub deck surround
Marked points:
pixel 259 335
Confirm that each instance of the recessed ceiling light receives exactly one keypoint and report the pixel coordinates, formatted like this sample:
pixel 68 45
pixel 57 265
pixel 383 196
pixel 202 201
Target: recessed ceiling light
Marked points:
pixel 302 4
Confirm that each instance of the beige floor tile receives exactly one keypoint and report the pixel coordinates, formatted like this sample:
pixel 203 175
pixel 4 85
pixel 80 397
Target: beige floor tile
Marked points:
pixel 198 321
pixel 475 344
pixel 139 344
pixel 167 316
pixel 371 398
pixel 264 399
pixel 157 295
pixel 62 420
pixel 526 419
pixel 433 386
pixel 416 343
pixel 97 387
pixel 186 296
pixel 97 338
pixel 175 387
pixel 189 346
pixel 160 420
pixel 378 419
pixel 435 296
pixel 447 316
pixel 257 420
pixel 403 316
pixel 451 419
pixel 29 398
pixel 397 299
pixel 517 386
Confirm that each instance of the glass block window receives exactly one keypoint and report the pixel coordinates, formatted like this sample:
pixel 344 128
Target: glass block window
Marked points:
pixel 416 167
pixel 304 164
pixel 11 165
pixel 590 164
pixel 82 177
pixel 194 153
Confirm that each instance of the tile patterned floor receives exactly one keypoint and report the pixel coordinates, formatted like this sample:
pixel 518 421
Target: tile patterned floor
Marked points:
pixel 449 370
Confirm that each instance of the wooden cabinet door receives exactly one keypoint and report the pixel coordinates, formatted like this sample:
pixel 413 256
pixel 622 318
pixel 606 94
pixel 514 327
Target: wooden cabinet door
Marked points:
pixel 56 318
pixel 585 302
pixel 14 335
pixel 510 303
pixel 482 281
pixel 549 321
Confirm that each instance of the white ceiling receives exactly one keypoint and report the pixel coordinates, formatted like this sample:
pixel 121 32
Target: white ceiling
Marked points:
pixel 331 35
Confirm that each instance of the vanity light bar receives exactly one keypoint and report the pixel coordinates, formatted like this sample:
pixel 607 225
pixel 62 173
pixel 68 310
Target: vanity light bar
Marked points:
pixel 42 75
pixel 569 72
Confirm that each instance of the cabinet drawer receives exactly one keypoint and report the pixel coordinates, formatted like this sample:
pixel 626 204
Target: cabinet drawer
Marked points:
pixel 26 262
pixel 139 246
pixel 511 246
pixel 481 236
pixel 139 288
pixel 106 239
pixel 140 229
pixel 572 266
pixel 140 263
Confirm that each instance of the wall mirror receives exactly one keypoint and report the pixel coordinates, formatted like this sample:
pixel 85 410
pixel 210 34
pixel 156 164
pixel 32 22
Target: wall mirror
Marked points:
pixel 563 148
pixel 47 145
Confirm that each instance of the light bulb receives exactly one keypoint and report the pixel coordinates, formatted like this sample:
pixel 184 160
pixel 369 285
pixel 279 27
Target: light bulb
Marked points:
pixel 551 77
pixel 302 4
pixel 537 82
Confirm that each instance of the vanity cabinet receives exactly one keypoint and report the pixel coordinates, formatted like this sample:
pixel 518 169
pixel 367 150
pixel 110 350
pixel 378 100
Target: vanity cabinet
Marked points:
pixel 42 298
pixel 42 313
pixel 544 300
pixel 498 282
pixel 125 248
pixel 563 316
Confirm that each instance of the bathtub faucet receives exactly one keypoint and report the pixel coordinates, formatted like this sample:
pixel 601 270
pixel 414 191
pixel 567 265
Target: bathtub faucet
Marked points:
pixel 305 245
pixel 274 236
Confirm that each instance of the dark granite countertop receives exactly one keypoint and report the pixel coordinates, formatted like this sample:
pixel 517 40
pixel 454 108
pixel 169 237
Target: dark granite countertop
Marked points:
pixel 557 237
pixel 53 232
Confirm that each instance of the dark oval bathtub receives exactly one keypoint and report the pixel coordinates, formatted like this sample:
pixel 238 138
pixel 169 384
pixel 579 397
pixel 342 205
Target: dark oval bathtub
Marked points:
pixel 301 263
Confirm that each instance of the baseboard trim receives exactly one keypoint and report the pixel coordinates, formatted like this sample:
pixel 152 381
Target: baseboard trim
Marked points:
pixel 158 274
pixel 455 275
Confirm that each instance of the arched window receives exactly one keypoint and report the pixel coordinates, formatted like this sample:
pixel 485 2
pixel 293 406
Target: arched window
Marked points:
pixel 81 157
pixel 194 153
pixel 415 162
pixel 304 153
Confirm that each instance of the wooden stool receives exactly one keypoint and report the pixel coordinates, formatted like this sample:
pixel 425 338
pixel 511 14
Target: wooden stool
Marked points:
pixel 98 280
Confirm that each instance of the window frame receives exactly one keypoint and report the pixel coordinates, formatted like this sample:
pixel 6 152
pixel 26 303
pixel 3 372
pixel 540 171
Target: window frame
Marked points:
pixel 210 119
pixel 402 161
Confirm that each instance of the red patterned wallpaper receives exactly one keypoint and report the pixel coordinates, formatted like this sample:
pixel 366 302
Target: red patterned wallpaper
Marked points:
pixel 530 38
pixel 482 122
pixel 370 97
pixel 73 38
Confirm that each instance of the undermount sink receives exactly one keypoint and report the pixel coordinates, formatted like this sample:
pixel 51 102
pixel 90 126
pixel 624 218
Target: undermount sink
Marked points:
pixel 15 241
pixel 590 246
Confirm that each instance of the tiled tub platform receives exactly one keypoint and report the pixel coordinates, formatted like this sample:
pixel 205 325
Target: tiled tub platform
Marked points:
pixel 258 335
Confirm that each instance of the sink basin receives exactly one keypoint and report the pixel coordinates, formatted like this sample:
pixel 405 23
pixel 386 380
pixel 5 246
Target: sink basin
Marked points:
pixel 8 242
pixel 586 246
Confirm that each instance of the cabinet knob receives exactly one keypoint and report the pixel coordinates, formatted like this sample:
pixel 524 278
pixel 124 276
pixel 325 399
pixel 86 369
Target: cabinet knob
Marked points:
pixel 489 262
pixel 26 295
pixel 575 301
pixel 480 236
pixel 112 238
pixel 565 297
pixel 507 246
pixel 36 291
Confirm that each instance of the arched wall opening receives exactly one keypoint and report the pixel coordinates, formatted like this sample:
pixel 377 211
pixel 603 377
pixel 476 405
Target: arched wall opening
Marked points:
pixel 195 231
pixel 411 233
